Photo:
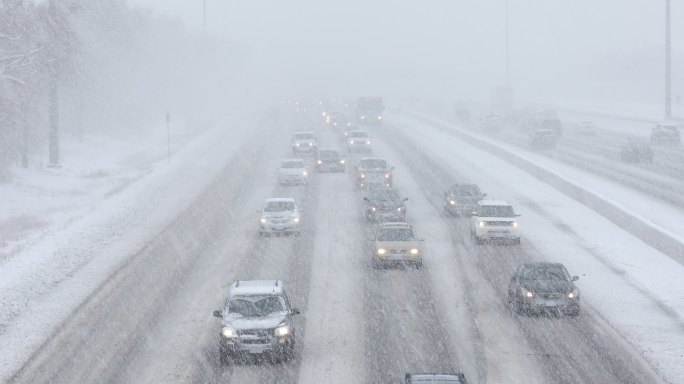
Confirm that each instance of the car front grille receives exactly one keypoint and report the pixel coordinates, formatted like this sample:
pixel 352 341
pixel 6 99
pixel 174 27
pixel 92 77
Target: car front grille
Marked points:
pixel 499 223
pixel 550 296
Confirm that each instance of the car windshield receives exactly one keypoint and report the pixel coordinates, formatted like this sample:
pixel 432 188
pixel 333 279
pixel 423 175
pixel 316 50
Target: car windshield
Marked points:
pixel 545 272
pixel 256 306
pixel 292 164
pixel 384 195
pixel 373 164
pixel 358 134
pixel 328 155
pixel 304 136
pixel 496 211
pixel 396 234
pixel 465 190
pixel 279 206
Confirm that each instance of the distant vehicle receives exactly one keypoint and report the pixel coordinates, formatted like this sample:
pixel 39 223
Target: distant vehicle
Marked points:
pixel 358 141
pixel 494 220
pixel 667 133
pixel 636 153
pixel 461 113
pixel 293 171
pixel 369 110
pixel 435 378
pixel 461 199
pixel 585 128
pixel 396 243
pixel 257 319
pixel 543 119
pixel 491 123
pixel 385 204
pixel 280 215
pixel 304 142
pixel 329 161
pixel 542 139
pixel 541 287
pixel 373 171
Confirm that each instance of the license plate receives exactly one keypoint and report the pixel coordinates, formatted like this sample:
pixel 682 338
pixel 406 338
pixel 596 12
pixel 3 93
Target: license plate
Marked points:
pixel 551 303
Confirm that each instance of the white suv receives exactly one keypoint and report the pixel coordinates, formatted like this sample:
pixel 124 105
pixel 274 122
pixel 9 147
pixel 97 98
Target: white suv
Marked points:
pixel 293 171
pixel 494 220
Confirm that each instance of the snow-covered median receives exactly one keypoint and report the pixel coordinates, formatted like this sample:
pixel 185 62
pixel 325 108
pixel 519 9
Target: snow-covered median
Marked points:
pixel 87 219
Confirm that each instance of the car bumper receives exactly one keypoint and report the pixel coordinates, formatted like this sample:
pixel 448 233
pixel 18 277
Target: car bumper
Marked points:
pixel 386 216
pixel 304 149
pixel 497 233
pixel 293 179
pixel 359 147
pixel 331 167
pixel 458 209
pixel 539 305
pixel 279 228
pixel 237 347
pixel 402 258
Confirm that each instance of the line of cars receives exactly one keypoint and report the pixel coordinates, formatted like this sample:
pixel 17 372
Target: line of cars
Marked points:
pixel 257 317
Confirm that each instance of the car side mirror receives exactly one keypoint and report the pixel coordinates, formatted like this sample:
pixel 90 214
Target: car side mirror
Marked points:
pixel 473 213
pixel 365 199
pixel 392 168
pixel 405 198
pixel 295 311
pixel 517 215
pixel 217 313
pixel 575 278
pixel 484 195
pixel 422 239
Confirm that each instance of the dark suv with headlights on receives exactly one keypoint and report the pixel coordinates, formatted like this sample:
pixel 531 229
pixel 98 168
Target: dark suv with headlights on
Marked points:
pixel 385 204
pixel 373 171
pixel 435 378
pixel 257 321
pixel 544 287
pixel 329 161
pixel 461 199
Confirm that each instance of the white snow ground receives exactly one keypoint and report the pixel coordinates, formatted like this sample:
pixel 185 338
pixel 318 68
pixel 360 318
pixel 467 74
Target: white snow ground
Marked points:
pixel 87 218
pixel 636 289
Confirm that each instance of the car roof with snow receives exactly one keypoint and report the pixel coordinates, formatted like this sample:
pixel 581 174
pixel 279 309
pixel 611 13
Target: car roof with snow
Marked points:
pixel 301 161
pixel 256 287
pixel 281 199
pixel 493 202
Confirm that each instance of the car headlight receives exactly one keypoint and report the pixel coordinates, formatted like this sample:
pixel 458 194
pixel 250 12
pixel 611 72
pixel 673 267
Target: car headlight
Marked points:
pixel 228 332
pixel 481 224
pixel 388 175
pixel 263 220
pixel 295 219
pixel 310 144
pixel 319 162
pixel 297 145
pixel 282 331
pixel 399 209
pixel 379 117
pixel 527 293
pixel 363 176
pixel 381 251
pixel 414 251
pixel 515 224
pixel 363 117
pixel 573 294
pixel 367 141
pixel 373 209
pixel 341 161
pixel 304 173
pixel 351 141
pixel 452 202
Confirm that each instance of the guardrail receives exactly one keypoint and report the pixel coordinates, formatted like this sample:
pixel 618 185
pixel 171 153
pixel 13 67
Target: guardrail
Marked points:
pixel 619 116
pixel 645 230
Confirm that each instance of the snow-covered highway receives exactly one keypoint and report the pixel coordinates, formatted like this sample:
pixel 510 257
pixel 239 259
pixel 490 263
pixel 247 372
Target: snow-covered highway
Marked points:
pixel 151 321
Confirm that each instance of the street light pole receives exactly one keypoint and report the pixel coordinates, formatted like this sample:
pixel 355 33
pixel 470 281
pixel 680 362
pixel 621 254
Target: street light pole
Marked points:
pixel 508 70
pixel 668 62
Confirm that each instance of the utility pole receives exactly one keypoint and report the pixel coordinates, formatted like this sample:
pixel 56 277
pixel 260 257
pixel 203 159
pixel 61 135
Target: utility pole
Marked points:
pixel 168 134
pixel 53 110
pixel 204 17
pixel 668 62
pixel 508 63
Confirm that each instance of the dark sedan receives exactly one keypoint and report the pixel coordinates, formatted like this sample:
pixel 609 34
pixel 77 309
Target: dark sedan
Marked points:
pixel 544 287
pixel 329 161
pixel 461 199
pixel 385 204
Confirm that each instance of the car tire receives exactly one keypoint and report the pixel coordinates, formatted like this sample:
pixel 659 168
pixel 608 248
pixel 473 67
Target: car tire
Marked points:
pixel 376 263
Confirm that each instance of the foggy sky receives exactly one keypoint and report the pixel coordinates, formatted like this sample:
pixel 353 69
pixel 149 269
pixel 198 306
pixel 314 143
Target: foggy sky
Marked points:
pixel 605 49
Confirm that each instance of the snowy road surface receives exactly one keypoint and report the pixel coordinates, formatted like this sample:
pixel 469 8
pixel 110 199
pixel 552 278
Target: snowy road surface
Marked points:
pixel 151 322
